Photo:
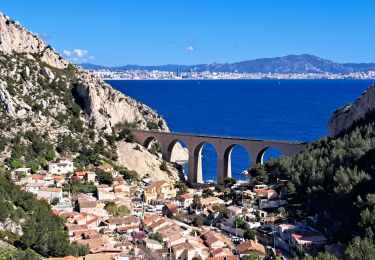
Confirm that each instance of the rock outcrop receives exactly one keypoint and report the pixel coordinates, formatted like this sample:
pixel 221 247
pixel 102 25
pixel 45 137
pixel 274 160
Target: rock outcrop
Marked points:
pixel 342 119
pixel 42 92
pixel 108 107
pixel 136 158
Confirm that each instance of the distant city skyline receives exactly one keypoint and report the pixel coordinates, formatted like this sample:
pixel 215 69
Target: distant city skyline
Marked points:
pixel 149 32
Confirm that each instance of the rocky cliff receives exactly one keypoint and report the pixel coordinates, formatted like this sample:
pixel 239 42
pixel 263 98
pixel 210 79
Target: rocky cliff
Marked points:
pixel 343 119
pixel 44 97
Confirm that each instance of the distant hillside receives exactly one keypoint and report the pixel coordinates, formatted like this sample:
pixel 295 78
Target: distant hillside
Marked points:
pixel 304 63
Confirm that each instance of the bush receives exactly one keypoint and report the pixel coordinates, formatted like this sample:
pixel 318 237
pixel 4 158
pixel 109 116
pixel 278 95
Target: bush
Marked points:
pixel 163 166
pixel 229 181
pixel 117 211
pixel 197 222
pixel 104 177
pixel 129 175
pixel 156 236
pixel 152 125
pixel 42 232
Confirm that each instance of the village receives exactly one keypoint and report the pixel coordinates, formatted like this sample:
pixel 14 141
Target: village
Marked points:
pixel 119 218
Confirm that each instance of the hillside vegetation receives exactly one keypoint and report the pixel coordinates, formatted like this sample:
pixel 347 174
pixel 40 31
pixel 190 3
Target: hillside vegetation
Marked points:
pixel 333 179
pixel 28 223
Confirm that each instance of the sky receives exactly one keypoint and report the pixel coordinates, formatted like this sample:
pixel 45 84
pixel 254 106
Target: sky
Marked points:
pixel 154 32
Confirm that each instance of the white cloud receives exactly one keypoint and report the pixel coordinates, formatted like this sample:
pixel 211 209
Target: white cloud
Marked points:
pixel 78 55
pixel 190 48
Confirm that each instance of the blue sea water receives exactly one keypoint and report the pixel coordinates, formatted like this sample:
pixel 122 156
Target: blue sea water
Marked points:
pixel 295 110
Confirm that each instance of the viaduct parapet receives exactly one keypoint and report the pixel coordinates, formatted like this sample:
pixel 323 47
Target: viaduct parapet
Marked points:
pixel 223 146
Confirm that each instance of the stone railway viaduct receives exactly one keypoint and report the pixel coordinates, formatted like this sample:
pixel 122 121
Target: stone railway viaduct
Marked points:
pixel 223 147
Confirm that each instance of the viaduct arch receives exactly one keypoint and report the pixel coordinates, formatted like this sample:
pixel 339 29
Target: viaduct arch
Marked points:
pixel 223 146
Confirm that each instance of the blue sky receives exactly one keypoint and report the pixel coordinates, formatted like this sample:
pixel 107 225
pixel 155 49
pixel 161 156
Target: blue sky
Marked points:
pixel 118 32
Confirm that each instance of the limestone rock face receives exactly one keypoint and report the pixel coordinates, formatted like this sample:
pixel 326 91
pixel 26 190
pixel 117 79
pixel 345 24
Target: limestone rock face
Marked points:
pixel 7 100
pixel 42 92
pixel 47 73
pixel 15 38
pixel 108 107
pixel 11 226
pixel 344 118
pixel 137 158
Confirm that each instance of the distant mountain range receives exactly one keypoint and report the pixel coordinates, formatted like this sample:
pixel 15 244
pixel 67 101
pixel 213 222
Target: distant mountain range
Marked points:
pixel 303 63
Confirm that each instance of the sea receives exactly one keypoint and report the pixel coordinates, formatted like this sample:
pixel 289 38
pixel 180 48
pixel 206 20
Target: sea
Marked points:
pixel 289 110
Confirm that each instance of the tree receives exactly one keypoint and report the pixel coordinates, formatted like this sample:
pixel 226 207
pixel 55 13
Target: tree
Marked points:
pixel 28 254
pixel 239 222
pixel 222 209
pixel 259 173
pixel 197 204
pixel 182 188
pixel 34 166
pixel 55 201
pixel 50 155
pixel 300 251
pixel 164 167
pixel 104 177
pixel 129 175
pixel 229 181
pixel 219 188
pixel 249 234
pixel 15 163
pixel 197 222
pixel 322 256
pixel 117 211
pixel 251 256
pixel 207 192
pixel 360 249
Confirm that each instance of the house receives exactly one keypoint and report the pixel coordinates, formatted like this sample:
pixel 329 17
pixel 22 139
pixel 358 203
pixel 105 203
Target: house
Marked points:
pixel 213 240
pixel 152 223
pixel 117 222
pixel 221 252
pixel 63 165
pixel 183 251
pixel 37 178
pixel 251 246
pixel 152 244
pixel 261 213
pixel 63 258
pixel 307 239
pixel 75 228
pixel 90 220
pixel 233 211
pixel 121 188
pixel 119 180
pixel 22 171
pixel 248 194
pixel 80 175
pixel 89 206
pixel 90 176
pixel 34 187
pixel 285 230
pixel 104 195
pixel 106 167
pixel 268 194
pixel 104 187
pixel 267 204
pixel 169 210
pixel 50 194
pixel 185 200
pixel 210 201
pixel 159 190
